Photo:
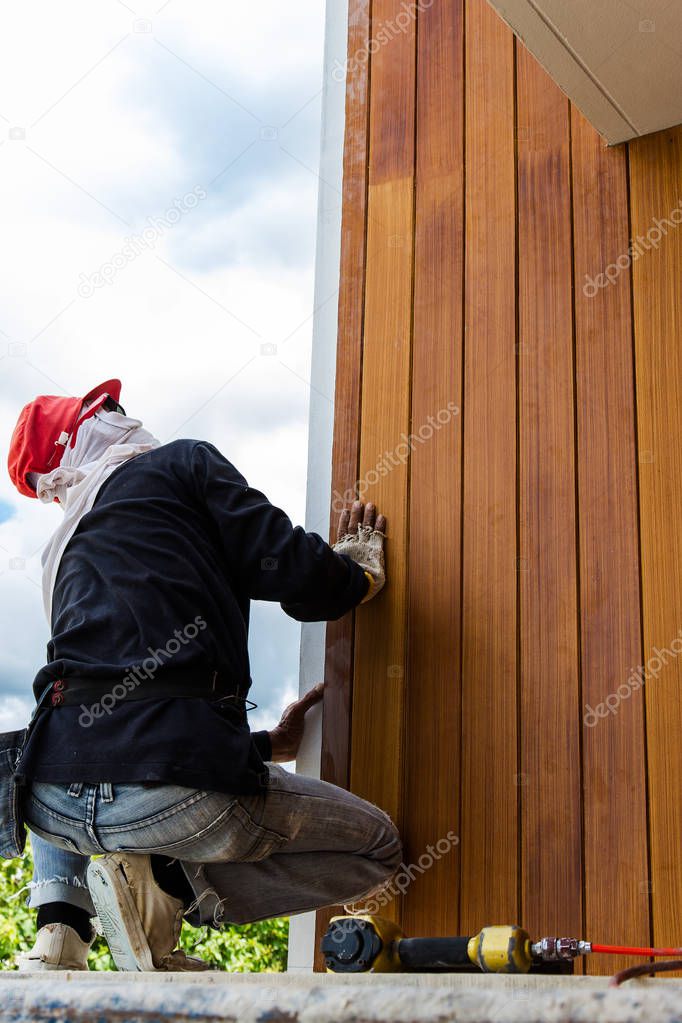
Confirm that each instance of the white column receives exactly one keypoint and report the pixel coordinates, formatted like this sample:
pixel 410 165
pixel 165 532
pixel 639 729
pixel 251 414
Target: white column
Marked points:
pixel 323 373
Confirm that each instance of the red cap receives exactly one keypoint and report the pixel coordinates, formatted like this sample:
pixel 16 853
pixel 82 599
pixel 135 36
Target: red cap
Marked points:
pixel 45 427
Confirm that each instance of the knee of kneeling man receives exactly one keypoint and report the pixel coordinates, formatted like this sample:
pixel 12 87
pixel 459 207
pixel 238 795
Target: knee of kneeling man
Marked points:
pixel 391 848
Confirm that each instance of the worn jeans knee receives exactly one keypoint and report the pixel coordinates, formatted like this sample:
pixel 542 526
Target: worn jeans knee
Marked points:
pixel 387 849
pixel 391 850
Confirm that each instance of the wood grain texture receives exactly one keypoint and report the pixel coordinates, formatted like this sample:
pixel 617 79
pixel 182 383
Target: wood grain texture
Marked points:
pixel 615 810
pixel 432 740
pixel 489 829
pixel 338 693
pixel 380 640
pixel 347 402
pixel 656 172
pixel 548 588
pixel 380 644
pixel 518 534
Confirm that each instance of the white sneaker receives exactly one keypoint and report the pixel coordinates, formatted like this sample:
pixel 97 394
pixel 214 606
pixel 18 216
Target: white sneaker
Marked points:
pixel 140 921
pixel 57 947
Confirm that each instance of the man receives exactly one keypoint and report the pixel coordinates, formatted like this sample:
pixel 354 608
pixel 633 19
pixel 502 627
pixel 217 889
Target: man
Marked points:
pixel 143 753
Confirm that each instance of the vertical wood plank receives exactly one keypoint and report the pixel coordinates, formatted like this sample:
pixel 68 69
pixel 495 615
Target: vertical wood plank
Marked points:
pixel 549 655
pixel 489 829
pixel 338 693
pixel 347 404
pixel 380 644
pixel 433 697
pixel 656 172
pixel 615 818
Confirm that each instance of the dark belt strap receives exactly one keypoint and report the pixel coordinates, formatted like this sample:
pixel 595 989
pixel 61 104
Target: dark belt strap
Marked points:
pixel 69 692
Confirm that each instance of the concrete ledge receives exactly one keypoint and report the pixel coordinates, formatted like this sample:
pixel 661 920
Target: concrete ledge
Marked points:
pixel 293 998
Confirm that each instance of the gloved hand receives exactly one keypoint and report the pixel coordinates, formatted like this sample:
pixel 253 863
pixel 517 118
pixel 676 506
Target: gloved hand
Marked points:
pixel 361 537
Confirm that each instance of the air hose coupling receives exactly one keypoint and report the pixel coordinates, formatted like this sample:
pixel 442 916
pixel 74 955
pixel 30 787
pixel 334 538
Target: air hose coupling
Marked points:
pixel 555 950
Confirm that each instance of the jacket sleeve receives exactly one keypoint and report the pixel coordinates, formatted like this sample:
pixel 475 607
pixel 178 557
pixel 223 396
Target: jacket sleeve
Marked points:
pixel 261 741
pixel 266 556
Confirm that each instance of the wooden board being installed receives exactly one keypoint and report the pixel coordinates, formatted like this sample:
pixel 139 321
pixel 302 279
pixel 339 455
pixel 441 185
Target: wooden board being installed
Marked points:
pixel 513 698
pixel 619 62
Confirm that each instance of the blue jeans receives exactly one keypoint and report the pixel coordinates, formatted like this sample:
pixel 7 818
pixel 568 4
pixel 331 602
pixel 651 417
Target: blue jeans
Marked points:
pixel 299 845
pixel 58 876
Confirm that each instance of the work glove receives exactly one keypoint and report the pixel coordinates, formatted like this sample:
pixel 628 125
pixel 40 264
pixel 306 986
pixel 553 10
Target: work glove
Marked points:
pixel 361 540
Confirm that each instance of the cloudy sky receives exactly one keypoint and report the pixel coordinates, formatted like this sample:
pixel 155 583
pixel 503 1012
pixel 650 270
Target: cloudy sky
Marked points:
pixel 111 116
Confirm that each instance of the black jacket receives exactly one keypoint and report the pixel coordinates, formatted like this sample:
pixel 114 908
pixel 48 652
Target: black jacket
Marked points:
pixel 158 576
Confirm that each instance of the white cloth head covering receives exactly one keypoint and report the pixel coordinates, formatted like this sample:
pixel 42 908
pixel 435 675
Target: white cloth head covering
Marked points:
pixel 104 441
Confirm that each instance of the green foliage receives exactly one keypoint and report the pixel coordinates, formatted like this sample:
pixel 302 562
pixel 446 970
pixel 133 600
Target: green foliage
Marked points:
pixel 251 948
pixel 17 923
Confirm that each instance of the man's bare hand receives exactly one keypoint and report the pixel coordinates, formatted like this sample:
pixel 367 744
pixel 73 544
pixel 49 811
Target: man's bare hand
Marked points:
pixel 286 737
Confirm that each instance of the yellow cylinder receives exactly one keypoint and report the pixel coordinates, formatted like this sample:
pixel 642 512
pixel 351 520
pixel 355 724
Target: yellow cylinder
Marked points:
pixel 501 949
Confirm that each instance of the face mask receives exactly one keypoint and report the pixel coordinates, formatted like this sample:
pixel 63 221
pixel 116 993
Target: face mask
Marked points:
pixel 103 440
pixel 97 434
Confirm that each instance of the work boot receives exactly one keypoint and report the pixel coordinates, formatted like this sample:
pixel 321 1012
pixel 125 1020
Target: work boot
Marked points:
pixel 57 947
pixel 140 921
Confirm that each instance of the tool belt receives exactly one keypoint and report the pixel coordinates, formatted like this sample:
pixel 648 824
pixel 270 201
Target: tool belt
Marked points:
pixel 186 684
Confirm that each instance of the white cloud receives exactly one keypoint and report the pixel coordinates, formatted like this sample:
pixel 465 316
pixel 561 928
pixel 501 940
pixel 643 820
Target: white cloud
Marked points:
pixel 255 45
pixel 117 127
pixel 14 713
pixel 267 229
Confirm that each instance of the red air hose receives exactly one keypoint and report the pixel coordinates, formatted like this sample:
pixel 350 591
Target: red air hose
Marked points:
pixel 628 950
pixel 646 969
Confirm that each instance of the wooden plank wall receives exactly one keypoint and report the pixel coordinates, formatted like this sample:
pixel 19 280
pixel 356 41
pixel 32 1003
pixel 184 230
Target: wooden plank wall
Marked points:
pixel 432 734
pixel 656 206
pixel 489 821
pixel 493 693
pixel 551 833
